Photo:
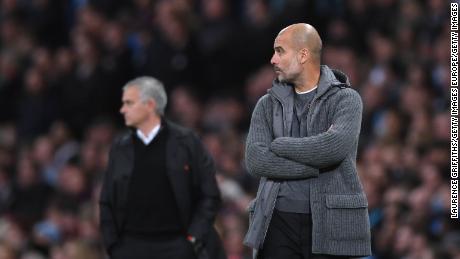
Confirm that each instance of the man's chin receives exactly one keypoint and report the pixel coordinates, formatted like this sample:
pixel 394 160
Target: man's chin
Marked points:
pixel 284 80
pixel 281 79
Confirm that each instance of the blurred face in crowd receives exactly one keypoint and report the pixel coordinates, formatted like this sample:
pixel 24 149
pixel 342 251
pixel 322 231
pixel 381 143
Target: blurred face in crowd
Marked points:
pixel 6 252
pixel 286 59
pixel 135 110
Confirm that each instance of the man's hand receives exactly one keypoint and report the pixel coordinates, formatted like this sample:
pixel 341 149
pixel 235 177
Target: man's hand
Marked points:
pixel 197 244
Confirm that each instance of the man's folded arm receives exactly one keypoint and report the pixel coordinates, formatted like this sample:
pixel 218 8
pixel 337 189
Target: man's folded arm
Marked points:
pixel 262 162
pixel 331 147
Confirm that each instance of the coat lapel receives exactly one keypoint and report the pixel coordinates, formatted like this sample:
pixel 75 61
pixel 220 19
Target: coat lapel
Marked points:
pixel 284 93
pixel 127 150
pixel 176 173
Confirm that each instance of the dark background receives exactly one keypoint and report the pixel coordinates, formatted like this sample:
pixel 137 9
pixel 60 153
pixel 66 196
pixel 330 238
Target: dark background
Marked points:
pixel 63 64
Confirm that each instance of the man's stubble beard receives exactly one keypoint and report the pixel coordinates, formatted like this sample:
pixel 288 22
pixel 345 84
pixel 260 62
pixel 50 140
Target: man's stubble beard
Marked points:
pixel 285 79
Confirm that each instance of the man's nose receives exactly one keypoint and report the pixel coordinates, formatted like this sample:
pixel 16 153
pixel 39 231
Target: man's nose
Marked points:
pixel 274 59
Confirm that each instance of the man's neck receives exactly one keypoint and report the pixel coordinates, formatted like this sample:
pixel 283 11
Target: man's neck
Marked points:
pixel 148 125
pixel 308 82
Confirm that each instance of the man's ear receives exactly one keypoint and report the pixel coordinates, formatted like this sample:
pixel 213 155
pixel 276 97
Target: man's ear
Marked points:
pixel 304 55
pixel 151 104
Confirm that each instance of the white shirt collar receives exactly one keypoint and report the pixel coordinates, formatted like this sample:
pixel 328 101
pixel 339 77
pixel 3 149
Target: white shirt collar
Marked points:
pixel 147 139
pixel 308 91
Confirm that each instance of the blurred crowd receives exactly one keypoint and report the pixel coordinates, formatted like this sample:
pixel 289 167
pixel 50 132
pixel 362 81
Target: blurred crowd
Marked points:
pixel 63 64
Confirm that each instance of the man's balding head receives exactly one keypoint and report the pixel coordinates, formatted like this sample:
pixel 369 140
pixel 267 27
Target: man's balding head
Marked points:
pixel 303 35
pixel 297 55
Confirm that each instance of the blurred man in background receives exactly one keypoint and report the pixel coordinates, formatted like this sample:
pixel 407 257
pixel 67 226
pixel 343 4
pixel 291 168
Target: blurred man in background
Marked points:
pixel 159 196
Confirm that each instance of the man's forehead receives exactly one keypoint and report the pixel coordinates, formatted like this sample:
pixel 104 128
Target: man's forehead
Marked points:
pixel 281 39
pixel 131 92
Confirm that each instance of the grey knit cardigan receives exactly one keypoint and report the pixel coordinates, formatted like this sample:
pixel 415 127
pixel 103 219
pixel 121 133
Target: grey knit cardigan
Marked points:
pixel 327 156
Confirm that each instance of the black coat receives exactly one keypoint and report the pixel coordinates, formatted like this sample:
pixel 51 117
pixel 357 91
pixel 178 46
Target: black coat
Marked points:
pixel 191 172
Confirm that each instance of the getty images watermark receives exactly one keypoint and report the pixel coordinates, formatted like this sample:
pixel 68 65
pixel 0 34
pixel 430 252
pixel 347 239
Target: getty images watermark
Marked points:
pixel 454 110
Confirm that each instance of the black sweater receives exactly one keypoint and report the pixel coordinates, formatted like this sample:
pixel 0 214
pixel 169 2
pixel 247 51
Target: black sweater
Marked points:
pixel 152 208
